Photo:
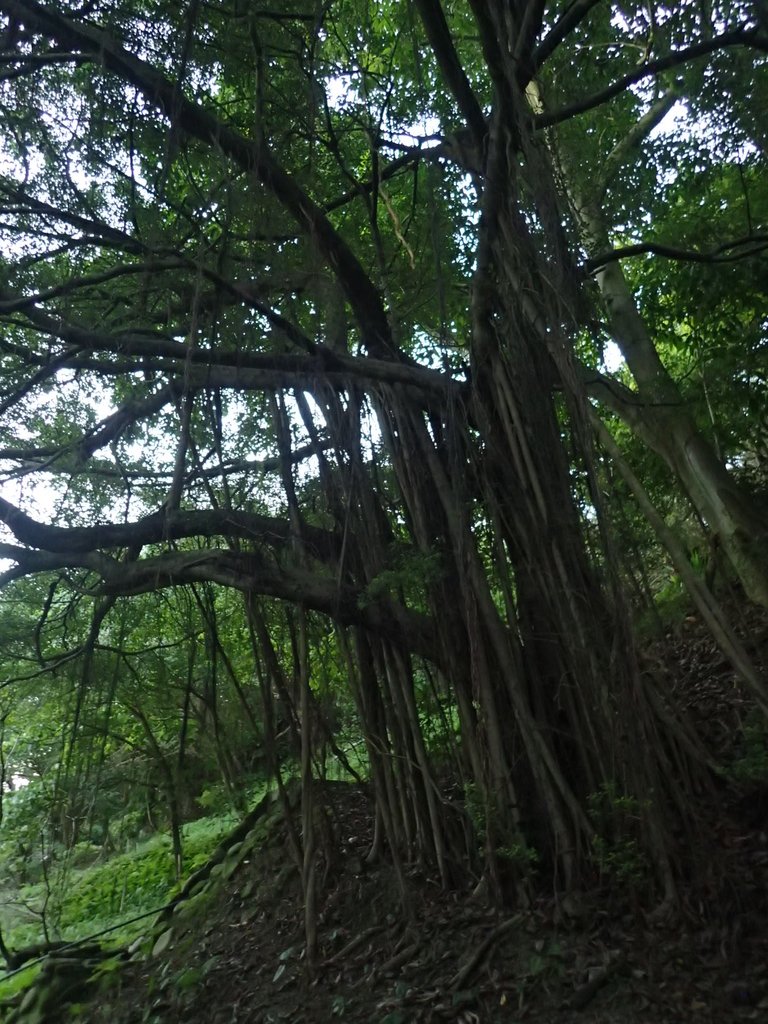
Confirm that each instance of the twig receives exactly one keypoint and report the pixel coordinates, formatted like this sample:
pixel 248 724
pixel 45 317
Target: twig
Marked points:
pixel 353 944
pixel 396 961
pixel 586 993
pixel 472 965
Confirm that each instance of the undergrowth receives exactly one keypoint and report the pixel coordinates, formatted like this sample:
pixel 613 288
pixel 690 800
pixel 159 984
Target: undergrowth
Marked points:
pixel 78 902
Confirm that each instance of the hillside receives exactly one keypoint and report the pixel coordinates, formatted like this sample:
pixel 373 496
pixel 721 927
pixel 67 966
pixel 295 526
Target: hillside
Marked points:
pixel 233 948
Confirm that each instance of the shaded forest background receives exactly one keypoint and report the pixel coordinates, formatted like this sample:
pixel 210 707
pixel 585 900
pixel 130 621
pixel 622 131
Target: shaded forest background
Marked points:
pixel 371 377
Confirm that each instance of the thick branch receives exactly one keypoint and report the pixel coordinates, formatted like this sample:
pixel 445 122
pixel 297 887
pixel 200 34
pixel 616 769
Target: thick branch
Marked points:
pixel 253 157
pixel 288 368
pixel 30 562
pixel 251 574
pixel 109 429
pixel 633 138
pixel 105 233
pixel 47 370
pixel 28 458
pixel 626 404
pixel 243 571
pixel 12 304
pixel 161 527
pixel 129 413
pixel 738 37
pixel 439 35
pixel 722 254
pixel 710 610
pixel 565 24
pixel 530 27
pixel 407 161
pixel 638 412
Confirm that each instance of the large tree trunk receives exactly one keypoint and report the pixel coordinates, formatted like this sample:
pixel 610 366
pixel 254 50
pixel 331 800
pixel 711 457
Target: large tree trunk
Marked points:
pixel 660 417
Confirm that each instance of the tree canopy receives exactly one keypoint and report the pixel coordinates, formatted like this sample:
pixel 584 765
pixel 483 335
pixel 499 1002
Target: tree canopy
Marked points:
pixel 333 338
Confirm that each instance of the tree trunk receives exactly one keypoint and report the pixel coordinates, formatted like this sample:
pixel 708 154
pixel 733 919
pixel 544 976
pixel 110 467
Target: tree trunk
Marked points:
pixel 661 418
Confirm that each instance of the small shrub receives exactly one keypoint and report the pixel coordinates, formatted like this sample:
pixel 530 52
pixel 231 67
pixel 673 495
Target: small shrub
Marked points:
pixel 752 763
pixel 618 820
pixel 523 858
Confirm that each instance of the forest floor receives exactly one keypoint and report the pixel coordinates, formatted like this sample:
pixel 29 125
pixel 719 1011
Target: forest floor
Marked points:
pixel 606 958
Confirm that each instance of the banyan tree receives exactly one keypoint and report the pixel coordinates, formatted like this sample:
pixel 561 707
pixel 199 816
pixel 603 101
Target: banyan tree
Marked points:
pixel 307 301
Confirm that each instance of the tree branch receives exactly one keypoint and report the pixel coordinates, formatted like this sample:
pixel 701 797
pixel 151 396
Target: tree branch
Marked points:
pixel 408 160
pixel 16 303
pixel 129 413
pixel 162 527
pixel 639 131
pixel 722 254
pixel 27 458
pixel 251 574
pixel 30 562
pixel 109 429
pixel 231 369
pixel 711 611
pixel 626 404
pixel 533 19
pixel 46 371
pixel 738 37
pixel 246 571
pixel 439 36
pixel 568 21
pixel 254 157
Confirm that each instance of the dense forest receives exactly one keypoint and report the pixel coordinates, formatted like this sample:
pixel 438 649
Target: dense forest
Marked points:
pixel 379 382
